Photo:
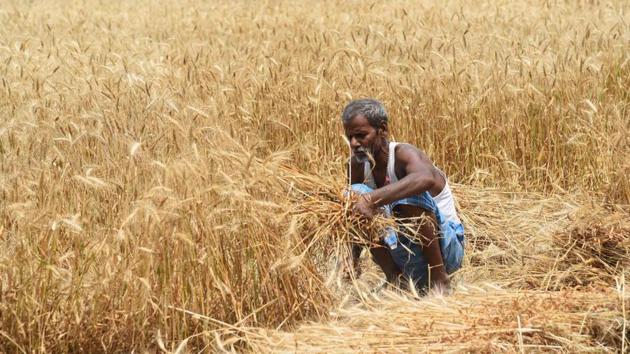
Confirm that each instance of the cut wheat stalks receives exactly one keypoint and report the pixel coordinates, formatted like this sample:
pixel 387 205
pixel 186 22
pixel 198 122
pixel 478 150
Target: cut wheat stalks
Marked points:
pixel 473 319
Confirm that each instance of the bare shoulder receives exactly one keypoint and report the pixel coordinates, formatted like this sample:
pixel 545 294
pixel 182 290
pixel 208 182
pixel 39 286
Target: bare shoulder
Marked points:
pixel 408 152
pixel 411 159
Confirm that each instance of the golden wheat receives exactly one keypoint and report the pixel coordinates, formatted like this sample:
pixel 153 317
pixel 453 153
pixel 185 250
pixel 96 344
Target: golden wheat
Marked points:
pixel 172 173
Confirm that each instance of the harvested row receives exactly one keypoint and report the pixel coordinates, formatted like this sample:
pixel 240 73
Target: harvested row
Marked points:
pixel 474 319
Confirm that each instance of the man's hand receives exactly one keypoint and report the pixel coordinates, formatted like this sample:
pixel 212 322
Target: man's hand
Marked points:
pixel 349 263
pixel 365 207
pixel 440 283
pixel 351 269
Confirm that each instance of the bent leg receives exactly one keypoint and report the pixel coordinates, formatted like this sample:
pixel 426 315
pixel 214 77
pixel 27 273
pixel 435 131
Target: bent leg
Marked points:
pixel 381 254
pixel 383 258
pixel 421 258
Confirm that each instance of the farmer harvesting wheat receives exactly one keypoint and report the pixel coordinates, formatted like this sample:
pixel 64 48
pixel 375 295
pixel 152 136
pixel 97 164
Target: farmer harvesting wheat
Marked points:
pixel 399 179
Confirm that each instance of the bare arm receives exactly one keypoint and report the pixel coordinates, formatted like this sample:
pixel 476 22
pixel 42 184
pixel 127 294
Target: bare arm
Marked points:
pixel 420 176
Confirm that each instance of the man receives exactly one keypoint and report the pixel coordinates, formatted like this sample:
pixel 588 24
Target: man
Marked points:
pixel 400 179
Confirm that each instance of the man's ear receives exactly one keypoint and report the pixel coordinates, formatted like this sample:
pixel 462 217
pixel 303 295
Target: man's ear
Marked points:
pixel 384 130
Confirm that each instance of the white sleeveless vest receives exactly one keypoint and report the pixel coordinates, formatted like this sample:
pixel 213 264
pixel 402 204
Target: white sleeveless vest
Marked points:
pixel 443 201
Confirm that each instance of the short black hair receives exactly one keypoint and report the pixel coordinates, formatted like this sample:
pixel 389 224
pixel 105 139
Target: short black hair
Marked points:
pixel 371 109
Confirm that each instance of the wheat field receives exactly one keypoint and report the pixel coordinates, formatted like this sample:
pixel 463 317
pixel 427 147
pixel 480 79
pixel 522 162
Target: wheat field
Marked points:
pixel 172 173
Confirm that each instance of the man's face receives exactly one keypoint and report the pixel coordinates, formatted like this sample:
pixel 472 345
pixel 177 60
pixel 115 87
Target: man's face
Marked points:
pixel 364 139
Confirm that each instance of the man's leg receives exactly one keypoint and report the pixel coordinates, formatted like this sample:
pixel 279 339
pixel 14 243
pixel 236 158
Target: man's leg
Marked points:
pixel 380 255
pixel 426 268
pixel 383 258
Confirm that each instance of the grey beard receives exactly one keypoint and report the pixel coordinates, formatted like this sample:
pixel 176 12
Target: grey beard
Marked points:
pixel 367 157
pixel 362 159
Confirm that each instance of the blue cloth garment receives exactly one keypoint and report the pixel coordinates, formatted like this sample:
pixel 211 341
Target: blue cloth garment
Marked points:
pixel 409 258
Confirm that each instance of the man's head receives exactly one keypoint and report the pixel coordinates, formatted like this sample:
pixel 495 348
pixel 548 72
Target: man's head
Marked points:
pixel 365 125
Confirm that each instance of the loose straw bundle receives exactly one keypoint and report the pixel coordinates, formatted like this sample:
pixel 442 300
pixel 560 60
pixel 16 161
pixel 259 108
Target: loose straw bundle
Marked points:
pixel 322 208
pixel 596 248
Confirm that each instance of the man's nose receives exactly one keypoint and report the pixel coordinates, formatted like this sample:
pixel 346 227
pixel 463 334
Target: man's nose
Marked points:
pixel 354 143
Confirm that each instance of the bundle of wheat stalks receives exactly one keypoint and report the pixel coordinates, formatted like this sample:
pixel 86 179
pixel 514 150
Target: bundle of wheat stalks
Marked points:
pixel 322 210
pixel 597 247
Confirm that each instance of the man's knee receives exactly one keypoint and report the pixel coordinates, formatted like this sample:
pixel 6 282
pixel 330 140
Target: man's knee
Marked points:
pixel 412 211
pixel 382 257
pixel 417 223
